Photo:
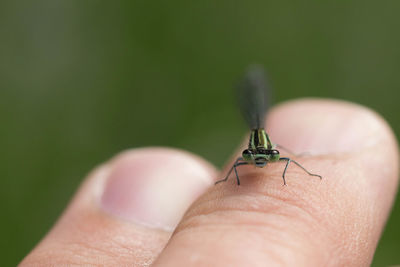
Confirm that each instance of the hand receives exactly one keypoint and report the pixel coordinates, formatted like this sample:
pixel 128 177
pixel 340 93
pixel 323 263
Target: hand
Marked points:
pixel 125 212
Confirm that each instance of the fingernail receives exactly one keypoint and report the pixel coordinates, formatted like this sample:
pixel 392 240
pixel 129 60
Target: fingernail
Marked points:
pixel 323 126
pixel 154 187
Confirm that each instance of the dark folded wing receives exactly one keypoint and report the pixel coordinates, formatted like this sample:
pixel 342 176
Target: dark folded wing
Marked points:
pixel 253 94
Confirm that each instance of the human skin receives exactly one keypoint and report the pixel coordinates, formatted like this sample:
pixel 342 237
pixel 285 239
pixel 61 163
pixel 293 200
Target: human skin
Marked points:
pixel 132 212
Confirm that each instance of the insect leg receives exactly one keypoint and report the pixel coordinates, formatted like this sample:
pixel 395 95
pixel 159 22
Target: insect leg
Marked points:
pixel 298 164
pixel 284 171
pixel 278 146
pixel 237 163
pixel 309 173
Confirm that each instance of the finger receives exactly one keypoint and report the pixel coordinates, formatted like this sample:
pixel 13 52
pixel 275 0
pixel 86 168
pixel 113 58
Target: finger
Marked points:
pixel 125 211
pixel 333 222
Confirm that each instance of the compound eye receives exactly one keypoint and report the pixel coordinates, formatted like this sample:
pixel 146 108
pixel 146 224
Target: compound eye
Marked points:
pixel 274 152
pixel 247 152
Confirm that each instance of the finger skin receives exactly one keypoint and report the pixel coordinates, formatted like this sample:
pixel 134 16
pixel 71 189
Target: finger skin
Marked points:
pixel 333 222
pixel 88 235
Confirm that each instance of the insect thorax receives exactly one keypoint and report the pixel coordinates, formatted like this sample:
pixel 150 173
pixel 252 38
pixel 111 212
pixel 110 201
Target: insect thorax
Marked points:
pixel 259 139
pixel 260 150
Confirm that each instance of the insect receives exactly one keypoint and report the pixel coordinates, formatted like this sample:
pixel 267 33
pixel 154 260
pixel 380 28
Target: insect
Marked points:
pixel 253 100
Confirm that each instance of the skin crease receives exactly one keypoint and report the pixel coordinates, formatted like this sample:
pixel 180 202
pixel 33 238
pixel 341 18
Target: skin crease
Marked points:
pixel 334 222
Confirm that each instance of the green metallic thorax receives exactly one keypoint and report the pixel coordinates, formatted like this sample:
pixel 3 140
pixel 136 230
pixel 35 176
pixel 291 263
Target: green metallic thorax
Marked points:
pixel 260 149
pixel 259 139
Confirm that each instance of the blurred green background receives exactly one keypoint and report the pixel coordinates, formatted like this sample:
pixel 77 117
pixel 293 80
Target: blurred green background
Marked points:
pixel 82 80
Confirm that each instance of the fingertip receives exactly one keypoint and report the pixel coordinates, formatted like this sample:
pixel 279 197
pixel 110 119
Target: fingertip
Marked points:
pixel 154 186
pixel 172 155
pixel 337 220
pixel 355 140
pixel 125 210
pixel 327 126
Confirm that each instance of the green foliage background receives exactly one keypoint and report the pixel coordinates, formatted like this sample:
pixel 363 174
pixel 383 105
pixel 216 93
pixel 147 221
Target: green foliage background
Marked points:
pixel 82 80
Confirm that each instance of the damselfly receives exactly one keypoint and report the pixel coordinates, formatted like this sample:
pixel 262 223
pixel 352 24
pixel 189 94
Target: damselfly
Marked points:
pixel 253 97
